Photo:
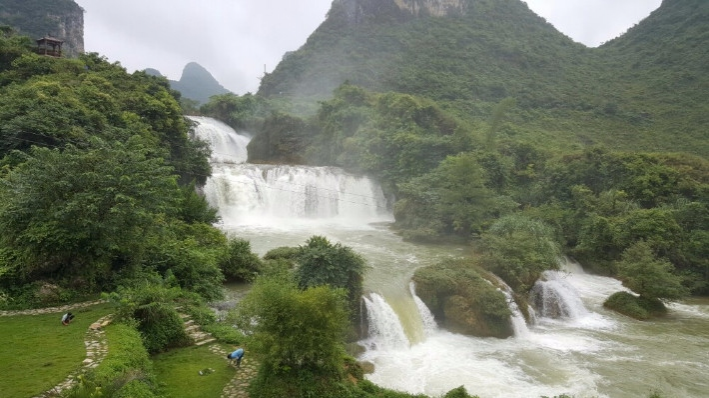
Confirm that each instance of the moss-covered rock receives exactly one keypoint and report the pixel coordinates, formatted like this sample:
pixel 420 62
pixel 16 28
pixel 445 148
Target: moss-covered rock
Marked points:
pixel 637 307
pixel 463 300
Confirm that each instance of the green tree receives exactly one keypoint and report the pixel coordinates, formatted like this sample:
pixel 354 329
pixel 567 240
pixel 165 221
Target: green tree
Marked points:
pixel 240 263
pixel 518 249
pixel 73 213
pixel 452 199
pixel 650 277
pixel 295 330
pixel 150 306
pixel 322 263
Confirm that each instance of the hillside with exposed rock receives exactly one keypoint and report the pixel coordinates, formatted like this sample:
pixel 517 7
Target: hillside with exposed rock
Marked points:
pixel 470 55
pixel 62 19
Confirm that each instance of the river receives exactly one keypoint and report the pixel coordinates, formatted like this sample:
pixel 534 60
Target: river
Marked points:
pixel 590 352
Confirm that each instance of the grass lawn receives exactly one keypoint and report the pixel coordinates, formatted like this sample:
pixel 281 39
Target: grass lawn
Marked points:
pixel 178 372
pixel 38 352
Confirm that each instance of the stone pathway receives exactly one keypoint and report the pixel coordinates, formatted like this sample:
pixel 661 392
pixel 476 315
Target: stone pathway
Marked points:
pixel 195 332
pixel 96 350
pixel 94 340
pixel 49 310
pixel 238 385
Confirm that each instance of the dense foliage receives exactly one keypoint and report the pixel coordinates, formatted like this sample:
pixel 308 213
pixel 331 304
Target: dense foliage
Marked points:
pixel 98 182
pixel 648 276
pixel 322 263
pixel 519 249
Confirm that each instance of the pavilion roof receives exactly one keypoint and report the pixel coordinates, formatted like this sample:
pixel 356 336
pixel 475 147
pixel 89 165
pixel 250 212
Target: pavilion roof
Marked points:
pixel 49 39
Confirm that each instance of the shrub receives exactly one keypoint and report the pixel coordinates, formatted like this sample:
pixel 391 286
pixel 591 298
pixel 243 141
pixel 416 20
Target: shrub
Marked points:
pixel 649 276
pixel 240 264
pixel 125 372
pixel 637 307
pixel 152 309
pixel 519 249
pixel 284 252
pixel 160 326
pixel 322 263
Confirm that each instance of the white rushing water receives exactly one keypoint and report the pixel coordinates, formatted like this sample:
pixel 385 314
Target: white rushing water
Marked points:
pixel 579 348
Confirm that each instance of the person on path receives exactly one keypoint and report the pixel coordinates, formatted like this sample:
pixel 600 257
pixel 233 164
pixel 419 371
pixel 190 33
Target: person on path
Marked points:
pixel 235 357
pixel 66 318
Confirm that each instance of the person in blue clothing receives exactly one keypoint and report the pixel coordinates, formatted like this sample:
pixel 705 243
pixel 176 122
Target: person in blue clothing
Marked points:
pixel 235 357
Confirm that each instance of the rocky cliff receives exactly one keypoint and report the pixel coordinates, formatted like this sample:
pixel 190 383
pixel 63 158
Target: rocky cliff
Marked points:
pixel 63 19
pixel 357 12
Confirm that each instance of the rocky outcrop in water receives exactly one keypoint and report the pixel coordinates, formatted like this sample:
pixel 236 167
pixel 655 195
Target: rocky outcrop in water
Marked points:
pixel 462 301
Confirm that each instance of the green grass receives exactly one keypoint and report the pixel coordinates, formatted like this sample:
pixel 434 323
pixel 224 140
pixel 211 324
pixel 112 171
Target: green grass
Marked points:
pixel 178 372
pixel 38 352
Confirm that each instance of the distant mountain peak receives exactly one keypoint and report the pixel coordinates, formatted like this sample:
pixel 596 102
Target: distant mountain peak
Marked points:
pixel 194 69
pixel 196 83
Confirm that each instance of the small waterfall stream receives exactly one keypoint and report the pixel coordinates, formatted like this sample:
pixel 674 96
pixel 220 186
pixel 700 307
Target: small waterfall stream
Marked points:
pixel 385 329
pixel 554 297
pixel 427 319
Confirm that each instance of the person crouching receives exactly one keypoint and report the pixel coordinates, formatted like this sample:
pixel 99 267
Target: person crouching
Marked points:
pixel 67 318
pixel 235 357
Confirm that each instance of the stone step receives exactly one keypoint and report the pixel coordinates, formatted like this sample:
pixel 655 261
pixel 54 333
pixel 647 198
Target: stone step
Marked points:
pixel 203 342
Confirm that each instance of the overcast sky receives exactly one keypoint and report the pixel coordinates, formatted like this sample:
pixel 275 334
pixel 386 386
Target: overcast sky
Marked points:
pixel 236 39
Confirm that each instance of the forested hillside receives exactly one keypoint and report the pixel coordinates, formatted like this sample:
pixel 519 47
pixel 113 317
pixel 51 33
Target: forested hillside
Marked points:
pixel 661 67
pixel 566 94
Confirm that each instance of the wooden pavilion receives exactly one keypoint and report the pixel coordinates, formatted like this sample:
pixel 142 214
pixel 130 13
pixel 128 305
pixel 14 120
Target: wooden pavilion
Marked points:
pixel 50 46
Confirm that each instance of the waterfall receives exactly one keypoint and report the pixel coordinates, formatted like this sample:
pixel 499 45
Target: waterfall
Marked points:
pixel 274 195
pixel 429 322
pixel 519 325
pixel 554 297
pixel 227 145
pixel 385 330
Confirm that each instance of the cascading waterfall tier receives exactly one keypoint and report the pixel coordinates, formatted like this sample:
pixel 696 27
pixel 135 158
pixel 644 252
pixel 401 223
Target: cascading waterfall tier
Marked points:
pixel 519 325
pixel 385 329
pixel 227 145
pixel 554 297
pixel 427 318
pixel 271 195
pixel 249 193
